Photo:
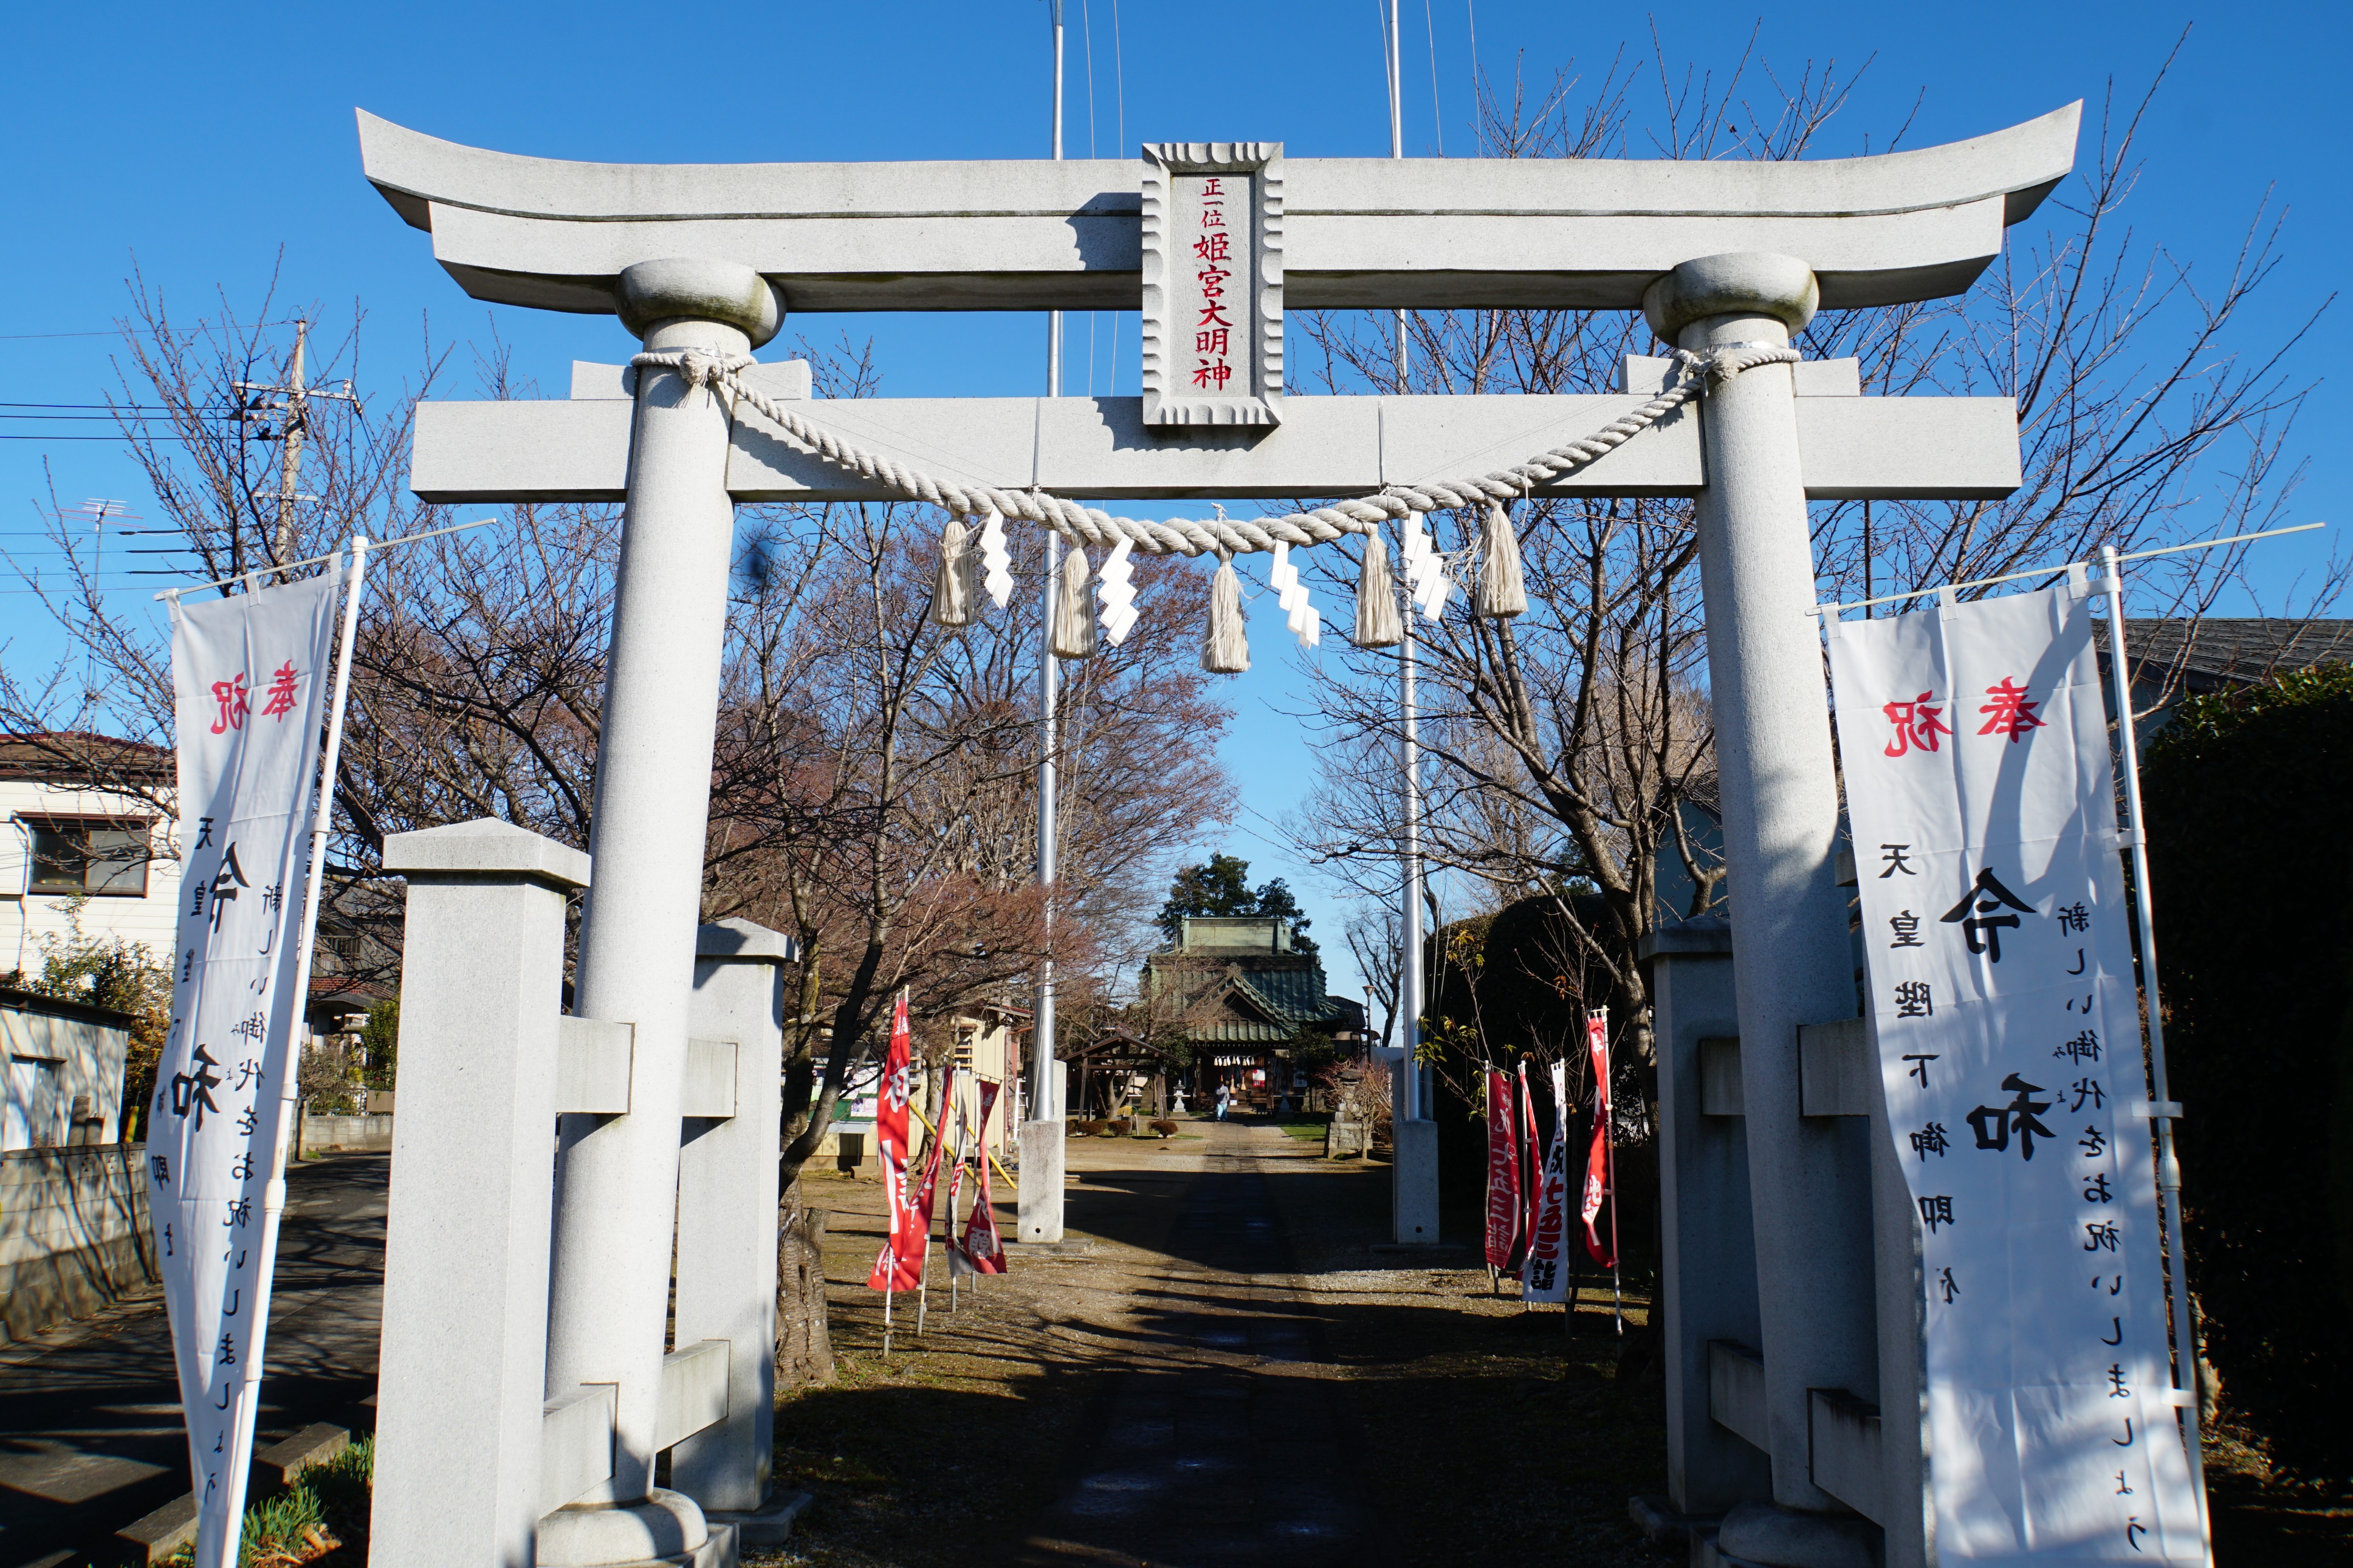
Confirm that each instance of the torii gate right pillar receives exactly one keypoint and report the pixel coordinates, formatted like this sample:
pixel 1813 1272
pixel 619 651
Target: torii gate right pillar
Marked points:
pixel 1792 964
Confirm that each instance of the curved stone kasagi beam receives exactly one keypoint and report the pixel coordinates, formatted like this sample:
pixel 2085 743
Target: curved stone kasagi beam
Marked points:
pixel 1035 235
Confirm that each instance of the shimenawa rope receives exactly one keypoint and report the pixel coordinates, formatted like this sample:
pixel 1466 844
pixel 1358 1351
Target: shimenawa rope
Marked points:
pixel 1086 525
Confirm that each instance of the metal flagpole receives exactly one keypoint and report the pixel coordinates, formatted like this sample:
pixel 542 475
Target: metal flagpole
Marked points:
pixel 2168 1169
pixel 1397 150
pixel 1410 1098
pixel 274 1197
pixel 1042 1107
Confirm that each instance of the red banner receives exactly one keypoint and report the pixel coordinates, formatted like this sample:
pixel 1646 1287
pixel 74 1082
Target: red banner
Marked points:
pixel 901 1265
pixel 981 1248
pixel 1597 1159
pixel 1503 1172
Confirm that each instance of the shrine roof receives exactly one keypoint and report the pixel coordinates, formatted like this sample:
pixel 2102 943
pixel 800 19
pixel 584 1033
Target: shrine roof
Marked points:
pixel 1034 233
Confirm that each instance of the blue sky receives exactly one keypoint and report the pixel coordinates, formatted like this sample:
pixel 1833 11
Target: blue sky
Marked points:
pixel 199 141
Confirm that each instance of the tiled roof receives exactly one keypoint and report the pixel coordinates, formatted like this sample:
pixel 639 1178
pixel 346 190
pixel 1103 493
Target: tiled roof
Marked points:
pixel 1268 998
pixel 2218 650
pixel 75 757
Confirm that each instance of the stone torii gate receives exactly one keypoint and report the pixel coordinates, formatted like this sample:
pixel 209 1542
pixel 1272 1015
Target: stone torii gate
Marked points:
pixel 1719 254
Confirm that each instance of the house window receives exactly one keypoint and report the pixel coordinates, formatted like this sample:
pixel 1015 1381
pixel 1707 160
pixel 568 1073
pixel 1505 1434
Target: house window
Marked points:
pixel 103 858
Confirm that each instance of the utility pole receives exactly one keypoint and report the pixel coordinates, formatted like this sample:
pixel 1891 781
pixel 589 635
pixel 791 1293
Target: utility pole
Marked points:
pixel 1042 1148
pixel 292 414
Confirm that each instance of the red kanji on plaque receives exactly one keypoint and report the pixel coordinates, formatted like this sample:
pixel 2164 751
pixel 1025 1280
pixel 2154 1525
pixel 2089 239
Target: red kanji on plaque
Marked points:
pixel 1918 724
pixel 234 701
pixel 2010 713
pixel 281 693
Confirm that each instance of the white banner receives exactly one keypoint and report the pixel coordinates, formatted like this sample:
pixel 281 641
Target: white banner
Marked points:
pixel 251 676
pixel 1541 1276
pixel 2000 971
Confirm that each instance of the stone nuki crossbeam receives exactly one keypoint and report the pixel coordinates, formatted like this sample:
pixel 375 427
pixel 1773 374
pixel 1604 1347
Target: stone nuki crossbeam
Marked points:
pixel 1852 448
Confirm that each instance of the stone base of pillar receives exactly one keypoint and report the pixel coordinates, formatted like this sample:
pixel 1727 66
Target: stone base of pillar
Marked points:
pixel 1761 1535
pixel 1413 1183
pixel 1042 1167
pixel 763 1528
pixel 666 1530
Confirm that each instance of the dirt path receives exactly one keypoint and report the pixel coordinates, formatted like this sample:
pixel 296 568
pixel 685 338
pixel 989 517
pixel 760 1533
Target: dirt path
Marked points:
pixel 1227 1375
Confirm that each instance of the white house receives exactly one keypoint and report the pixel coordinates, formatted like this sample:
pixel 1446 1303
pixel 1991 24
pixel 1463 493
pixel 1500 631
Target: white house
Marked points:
pixel 85 817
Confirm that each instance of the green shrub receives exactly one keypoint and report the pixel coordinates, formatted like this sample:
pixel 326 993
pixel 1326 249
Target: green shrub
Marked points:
pixel 2249 862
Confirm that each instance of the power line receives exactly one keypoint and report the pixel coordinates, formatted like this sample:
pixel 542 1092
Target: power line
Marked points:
pixel 117 332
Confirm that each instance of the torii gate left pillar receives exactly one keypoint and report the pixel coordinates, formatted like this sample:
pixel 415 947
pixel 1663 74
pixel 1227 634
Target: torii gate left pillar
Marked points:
pixel 616 1176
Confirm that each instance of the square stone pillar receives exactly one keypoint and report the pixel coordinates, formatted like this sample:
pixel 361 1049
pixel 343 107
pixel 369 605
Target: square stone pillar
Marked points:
pixel 1908 1512
pixel 1707 1271
pixel 464 1350
pixel 727 1193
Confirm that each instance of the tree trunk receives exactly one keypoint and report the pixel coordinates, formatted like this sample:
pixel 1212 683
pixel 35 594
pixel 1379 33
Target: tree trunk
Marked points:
pixel 804 1344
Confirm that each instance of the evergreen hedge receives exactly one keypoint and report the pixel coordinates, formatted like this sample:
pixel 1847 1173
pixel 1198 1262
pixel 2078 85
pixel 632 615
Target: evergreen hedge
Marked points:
pixel 2251 861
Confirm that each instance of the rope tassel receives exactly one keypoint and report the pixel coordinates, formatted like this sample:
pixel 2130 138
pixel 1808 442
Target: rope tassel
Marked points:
pixel 1378 624
pixel 958 583
pixel 1225 650
pixel 1501 590
pixel 1074 628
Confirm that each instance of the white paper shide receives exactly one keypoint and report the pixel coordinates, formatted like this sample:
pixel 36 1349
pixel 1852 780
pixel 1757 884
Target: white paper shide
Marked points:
pixel 250 675
pixel 2001 989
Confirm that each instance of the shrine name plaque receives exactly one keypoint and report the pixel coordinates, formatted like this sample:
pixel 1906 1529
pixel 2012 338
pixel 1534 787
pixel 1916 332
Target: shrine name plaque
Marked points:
pixel 1212 283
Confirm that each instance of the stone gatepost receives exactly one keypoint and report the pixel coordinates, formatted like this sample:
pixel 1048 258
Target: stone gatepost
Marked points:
pixel 617 1176
pixel 1808 1186
pixel 727 1194
pixel 1707 1267
pixel 464 1279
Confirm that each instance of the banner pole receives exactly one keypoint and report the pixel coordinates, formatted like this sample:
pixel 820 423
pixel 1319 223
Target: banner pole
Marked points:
pixel 956 1188
pixel 1609 1180
pixel 273 1195
pixel 2161 1114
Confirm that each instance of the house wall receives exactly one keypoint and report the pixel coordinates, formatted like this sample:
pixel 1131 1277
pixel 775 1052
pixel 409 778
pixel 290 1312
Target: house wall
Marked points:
pixel 27 917
pixel 325 1134
pixel 73 1232
pixel 60 1079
